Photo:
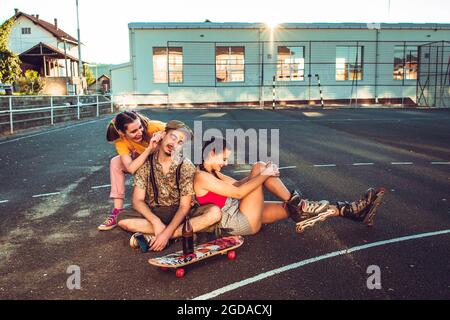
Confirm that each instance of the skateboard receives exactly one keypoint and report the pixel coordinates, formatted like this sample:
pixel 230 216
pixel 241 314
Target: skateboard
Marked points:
pixel 176 261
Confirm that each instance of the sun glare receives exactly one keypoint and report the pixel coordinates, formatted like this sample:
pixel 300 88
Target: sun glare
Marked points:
pixel 272 24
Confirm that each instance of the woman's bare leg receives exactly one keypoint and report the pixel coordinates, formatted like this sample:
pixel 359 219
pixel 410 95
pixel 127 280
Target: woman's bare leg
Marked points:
pixel 274 211
pixel 252 204
pixel 211 216
pixel 275 186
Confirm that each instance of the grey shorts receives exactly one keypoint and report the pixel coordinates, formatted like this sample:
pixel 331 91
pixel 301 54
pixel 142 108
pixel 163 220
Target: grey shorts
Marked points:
pixel 233 220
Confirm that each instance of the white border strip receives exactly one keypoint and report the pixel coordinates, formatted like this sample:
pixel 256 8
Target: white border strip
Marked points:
pixel 440 163
pixel 299 264
pixel 4 201
pixel 46 194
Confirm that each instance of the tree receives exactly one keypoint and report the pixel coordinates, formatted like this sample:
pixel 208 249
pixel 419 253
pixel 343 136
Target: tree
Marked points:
pixel 9 62
pixel 90 78
pixel 31 83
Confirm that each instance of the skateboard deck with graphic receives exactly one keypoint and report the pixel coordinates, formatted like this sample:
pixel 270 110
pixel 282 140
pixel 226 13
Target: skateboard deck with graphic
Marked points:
pixel 178 260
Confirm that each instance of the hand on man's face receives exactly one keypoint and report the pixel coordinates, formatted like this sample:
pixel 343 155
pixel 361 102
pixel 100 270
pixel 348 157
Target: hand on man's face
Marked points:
pixel 156 139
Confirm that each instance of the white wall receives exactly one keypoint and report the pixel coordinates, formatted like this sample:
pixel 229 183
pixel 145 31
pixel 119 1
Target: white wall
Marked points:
pixel 202 77
pixel 121 80
pixel 19 42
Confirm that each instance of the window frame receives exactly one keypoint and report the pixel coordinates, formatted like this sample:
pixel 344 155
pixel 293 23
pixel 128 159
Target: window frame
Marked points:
pixel 229 73
pixel 348 69
pixel 26 30
pixel 290 65
pixel 166 70
pixel 405 72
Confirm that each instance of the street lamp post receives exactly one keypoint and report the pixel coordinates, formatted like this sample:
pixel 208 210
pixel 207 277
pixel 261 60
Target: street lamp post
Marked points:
pixel 80 62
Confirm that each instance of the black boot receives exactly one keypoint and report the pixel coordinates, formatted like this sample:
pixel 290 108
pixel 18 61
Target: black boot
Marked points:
pixel 293 203
pixel 364 209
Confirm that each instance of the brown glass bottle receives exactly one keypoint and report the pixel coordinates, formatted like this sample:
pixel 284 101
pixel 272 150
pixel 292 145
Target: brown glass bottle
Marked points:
pixel 188 237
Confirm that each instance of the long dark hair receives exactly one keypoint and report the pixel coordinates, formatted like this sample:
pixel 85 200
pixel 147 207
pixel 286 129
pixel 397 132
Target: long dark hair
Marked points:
pixel 121 121
pixel 216 144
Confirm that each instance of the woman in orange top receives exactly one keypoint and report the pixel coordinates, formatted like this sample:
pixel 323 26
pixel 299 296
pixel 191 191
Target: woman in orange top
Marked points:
pixel 135 137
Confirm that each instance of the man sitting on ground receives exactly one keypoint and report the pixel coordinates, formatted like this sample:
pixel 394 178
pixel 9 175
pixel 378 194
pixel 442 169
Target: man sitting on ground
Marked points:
pixel 163 194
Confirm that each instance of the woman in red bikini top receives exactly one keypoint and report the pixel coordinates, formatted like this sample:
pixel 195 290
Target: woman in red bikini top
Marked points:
pixel 243 200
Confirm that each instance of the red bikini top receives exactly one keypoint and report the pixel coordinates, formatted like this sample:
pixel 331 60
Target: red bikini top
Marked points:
pixel 212 198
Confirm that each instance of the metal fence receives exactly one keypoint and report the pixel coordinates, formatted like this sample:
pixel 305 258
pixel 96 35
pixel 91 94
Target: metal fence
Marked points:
pixel 20 112
pixel 347 73
pixel 433 87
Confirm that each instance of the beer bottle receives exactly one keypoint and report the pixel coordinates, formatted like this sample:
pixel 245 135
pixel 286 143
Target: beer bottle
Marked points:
pixel 188 237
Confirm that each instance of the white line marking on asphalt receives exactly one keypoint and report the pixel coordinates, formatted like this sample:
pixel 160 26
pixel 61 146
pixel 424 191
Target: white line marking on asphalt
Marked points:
pixel 3 201
pixel 280 168
pixel 356 164
pixel 46 194
pixel 324 165
pixel 302 263
pixel 242 171
pixel 212 115
pixel 51 131
pixel 401 163
pixel 289 167
pixel 103 186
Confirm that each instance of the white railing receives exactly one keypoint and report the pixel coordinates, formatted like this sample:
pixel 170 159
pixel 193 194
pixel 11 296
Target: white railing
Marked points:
pixel 72 102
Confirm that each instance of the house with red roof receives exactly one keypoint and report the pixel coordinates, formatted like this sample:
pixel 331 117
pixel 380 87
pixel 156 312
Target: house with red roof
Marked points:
pixel 52 52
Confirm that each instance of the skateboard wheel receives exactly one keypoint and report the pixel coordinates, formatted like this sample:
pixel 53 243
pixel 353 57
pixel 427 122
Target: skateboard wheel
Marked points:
pixel 231 255
pixel 179 273
pixel 164 269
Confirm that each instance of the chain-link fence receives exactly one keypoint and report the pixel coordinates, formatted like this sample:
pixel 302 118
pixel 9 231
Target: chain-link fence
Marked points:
pixel 350 73
pixel 433 87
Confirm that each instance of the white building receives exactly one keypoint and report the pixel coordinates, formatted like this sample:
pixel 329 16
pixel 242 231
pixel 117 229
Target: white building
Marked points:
pixel 237 63
pixel 46 48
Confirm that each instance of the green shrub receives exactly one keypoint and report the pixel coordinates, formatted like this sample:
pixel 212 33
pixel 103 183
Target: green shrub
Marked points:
pixel 31 83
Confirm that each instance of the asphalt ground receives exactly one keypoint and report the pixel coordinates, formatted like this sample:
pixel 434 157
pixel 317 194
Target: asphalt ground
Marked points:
pixel 54 194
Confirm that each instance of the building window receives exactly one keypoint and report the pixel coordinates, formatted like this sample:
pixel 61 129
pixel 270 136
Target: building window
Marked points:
pixel 291 64
pixel 26 30
pixel 349 63
pixel 405 62
pixel 230 64
pixel 160 64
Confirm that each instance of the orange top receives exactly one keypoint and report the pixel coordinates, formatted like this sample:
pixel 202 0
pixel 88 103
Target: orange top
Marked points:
pixel 127 146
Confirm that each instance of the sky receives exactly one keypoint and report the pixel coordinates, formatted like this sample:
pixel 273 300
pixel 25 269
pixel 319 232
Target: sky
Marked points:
pixel 104 23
